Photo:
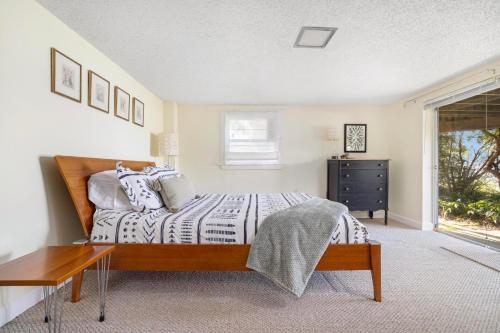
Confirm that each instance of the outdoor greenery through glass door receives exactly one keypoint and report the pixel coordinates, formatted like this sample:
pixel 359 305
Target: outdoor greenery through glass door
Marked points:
pixel 469 162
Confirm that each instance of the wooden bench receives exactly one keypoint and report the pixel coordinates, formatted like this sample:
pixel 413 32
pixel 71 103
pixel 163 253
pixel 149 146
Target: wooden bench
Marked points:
pixel 54 265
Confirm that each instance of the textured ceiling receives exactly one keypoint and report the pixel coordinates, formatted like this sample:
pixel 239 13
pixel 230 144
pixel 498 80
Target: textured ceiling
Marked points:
pixel 232 51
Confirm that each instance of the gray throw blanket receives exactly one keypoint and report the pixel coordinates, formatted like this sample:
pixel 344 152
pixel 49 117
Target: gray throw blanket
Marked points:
pixel 290 242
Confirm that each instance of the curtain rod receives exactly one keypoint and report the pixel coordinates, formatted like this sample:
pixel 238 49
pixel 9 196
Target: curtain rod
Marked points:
pixel 491 70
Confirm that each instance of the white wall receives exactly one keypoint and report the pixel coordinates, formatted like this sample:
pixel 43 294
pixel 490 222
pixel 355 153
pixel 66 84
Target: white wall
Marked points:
pixel 405 176
pixel 35 125
pixel 304 147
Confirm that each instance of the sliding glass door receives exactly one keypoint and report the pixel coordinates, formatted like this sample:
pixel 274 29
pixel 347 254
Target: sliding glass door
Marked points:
pixel 468 161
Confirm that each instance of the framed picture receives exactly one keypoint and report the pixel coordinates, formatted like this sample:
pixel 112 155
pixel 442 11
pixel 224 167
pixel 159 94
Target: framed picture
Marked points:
pixel 355 138
pixel 65 76
pixel 122 104
pixel 137 112
pixel 98 96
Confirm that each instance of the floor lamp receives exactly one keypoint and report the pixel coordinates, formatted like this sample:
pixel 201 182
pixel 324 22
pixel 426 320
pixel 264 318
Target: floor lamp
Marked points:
pixel 169 145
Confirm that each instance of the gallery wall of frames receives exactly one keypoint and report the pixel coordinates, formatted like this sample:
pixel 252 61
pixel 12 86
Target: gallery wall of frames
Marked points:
pixel 66 81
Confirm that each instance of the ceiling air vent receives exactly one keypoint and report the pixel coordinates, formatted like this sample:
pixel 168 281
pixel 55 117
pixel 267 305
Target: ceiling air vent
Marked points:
pixel 314 37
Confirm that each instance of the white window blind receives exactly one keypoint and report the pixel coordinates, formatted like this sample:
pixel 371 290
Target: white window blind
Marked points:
pixel 464 93
pixel 251 138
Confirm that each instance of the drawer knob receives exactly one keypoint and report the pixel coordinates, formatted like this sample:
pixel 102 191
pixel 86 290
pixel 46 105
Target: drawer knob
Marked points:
pixel 347 188
pixel 380 201
pixel 346 201
pixel 379 176
pixel 380 164
pixel 348 175
pixel 380 189
pixel 348 164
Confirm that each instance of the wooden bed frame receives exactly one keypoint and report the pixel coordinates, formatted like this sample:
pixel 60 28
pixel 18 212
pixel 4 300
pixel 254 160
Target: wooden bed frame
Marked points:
pixel 193 257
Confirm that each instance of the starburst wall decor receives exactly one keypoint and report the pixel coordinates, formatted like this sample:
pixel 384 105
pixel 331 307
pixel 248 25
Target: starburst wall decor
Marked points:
pixel 355 138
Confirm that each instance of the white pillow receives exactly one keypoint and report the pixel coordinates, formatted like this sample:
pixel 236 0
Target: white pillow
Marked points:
pixel 176 192
pixel 106 192
pixel 141 186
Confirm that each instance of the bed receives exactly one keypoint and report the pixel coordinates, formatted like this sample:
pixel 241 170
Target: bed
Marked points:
pixel 200 237
pixel 211 218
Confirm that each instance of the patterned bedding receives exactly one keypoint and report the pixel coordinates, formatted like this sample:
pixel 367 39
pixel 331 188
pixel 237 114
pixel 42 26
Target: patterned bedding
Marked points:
pixel 211 218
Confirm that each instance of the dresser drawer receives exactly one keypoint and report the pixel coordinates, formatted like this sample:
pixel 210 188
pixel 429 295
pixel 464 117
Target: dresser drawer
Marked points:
pixel 353 197
pixel 375 164
pixel 363 176
pixel 363 206
pixel 363 202
pixel 355 187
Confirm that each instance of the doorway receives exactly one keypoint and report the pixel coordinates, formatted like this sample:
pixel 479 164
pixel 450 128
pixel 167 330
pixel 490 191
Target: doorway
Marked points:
pixel 468 168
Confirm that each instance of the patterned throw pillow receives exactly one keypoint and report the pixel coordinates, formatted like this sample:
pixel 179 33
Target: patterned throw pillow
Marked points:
pixel 141 186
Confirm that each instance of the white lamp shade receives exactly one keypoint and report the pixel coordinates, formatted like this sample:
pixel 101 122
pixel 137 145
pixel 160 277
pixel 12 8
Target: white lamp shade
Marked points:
pixel 331 134
pixel 168 144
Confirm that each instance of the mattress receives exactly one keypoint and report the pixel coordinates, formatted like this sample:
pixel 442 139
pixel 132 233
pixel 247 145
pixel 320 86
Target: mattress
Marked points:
pixel 210 219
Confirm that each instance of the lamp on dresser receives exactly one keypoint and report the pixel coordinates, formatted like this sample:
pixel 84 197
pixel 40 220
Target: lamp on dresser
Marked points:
pixel 361 185
pixel 331 135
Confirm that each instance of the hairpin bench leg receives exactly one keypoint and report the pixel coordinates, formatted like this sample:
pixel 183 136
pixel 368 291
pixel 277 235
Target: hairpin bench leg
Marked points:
pixel 102 284
pixel 46 302
pixel 54 307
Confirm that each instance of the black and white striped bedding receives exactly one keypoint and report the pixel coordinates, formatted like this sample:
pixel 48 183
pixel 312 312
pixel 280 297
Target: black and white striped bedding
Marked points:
pixel 211 218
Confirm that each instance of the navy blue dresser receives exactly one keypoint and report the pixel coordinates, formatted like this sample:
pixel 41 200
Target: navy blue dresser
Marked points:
pixel 361 185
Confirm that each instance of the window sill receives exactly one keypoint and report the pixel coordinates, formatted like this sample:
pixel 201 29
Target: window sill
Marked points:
pixel 251 167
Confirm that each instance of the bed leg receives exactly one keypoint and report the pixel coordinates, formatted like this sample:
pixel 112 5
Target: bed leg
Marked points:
pixel 376 269
pixel 76 287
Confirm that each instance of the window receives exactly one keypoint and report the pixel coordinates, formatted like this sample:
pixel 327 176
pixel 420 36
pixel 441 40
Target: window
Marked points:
pixel 251 139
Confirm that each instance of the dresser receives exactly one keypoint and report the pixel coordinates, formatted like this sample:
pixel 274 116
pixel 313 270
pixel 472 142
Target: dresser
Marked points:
pixel 361 185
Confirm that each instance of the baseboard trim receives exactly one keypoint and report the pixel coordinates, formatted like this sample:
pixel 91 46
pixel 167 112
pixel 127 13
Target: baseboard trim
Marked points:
pixel 405 220
pixel 23 303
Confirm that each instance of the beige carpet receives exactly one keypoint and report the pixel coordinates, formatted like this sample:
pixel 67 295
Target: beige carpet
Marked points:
pixel 477 253
pixel 426 289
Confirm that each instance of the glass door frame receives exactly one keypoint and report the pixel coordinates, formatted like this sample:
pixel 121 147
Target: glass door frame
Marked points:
pixel 433 107
pixel 435 167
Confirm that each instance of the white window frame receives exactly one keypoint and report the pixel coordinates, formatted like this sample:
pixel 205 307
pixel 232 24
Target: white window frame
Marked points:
pixel 250 165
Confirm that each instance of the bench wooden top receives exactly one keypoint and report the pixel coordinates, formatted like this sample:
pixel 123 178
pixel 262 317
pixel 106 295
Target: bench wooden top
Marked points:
pixel 51 265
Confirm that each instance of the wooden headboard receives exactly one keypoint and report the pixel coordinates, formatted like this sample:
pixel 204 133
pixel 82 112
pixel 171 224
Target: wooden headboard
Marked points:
pixel 76 171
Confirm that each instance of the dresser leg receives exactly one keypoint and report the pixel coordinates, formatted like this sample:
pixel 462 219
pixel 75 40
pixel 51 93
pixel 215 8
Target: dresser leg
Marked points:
pixel 370 214
pixel 385 217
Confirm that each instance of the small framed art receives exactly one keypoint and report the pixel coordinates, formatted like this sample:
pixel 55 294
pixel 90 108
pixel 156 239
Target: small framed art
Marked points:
pixel 137 112
pixel 122 104
pixel 355 138
pixel 98 96
pixel 65 76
